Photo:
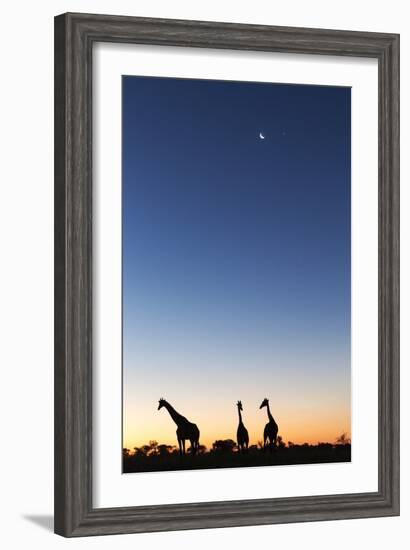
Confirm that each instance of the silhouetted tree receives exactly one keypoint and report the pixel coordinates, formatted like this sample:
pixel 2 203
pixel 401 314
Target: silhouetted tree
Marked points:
pixel 144 450
pixel 164 450
pixel 153 445
pixel 202 449
pixel 280 443
pixel 223 445
pixel 125 452
pixel 141 451
pixel 343 439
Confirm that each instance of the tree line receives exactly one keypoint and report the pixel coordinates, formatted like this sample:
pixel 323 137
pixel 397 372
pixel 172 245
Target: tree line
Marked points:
pixel 225 446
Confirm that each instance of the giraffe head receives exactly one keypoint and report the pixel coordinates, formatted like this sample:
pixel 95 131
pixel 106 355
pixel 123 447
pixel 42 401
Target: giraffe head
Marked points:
pixel 264 403
pixel 161 403
pixel 239 405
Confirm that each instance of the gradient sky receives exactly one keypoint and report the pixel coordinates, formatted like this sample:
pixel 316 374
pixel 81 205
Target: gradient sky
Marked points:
pixel 236 258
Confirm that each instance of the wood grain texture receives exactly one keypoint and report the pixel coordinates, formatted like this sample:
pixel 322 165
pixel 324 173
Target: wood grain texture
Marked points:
pixel 74 38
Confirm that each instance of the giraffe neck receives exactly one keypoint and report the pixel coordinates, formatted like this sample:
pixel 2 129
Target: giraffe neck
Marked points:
pixel 176 417
pixel 240 415
pixel 269 413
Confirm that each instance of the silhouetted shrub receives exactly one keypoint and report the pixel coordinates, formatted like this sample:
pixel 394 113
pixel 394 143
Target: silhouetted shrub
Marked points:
pixel 223 445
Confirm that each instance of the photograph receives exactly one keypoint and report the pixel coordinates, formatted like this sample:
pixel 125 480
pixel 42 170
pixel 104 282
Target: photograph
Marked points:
pixel 236 274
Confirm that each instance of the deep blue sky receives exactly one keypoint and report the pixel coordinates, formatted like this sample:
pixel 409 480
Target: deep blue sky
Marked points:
pixel 236 250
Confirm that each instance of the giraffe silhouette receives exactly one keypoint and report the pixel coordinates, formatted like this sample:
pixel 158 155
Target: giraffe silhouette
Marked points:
pixel 270 432
pixel 242 435
pixel 186 430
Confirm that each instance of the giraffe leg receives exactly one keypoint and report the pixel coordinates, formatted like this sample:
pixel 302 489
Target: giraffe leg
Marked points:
pixel 180 446
pixel 183 446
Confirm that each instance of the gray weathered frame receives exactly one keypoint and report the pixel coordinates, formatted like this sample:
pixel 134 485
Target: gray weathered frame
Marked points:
pixel 75 35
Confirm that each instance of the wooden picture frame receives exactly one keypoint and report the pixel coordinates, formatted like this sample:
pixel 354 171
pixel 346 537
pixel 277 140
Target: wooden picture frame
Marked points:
pixel 75 35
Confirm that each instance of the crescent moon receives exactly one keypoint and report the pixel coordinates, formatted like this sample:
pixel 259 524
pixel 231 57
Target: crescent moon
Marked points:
pixel 261 135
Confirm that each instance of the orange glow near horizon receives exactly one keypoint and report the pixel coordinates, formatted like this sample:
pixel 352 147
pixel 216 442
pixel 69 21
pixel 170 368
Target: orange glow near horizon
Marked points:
pixel 308 422
pixel 309 404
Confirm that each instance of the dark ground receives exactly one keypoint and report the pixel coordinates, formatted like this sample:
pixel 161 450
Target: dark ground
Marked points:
pixel 298 454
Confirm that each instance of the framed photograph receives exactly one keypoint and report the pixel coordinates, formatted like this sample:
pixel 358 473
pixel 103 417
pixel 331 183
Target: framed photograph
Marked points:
pixel 226 274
